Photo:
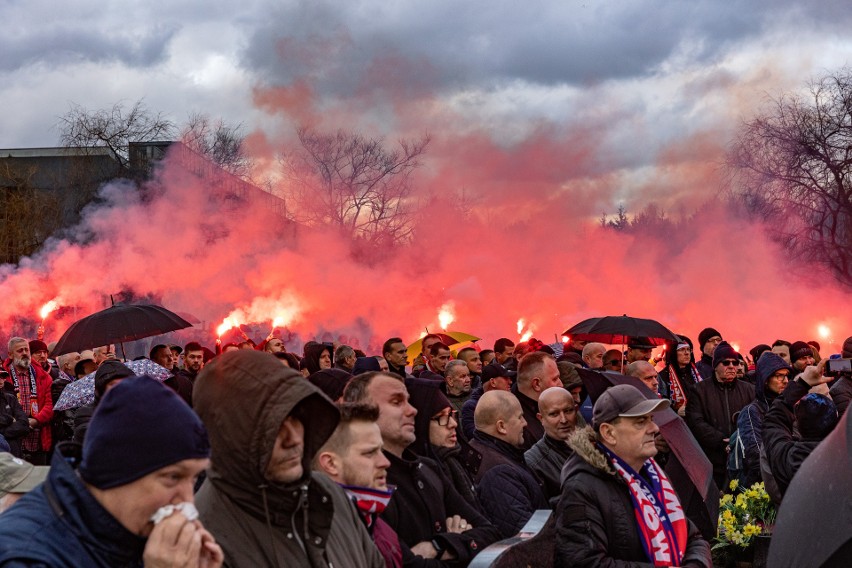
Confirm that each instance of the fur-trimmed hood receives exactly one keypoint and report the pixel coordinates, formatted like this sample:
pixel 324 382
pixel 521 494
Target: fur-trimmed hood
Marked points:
pixel 582 441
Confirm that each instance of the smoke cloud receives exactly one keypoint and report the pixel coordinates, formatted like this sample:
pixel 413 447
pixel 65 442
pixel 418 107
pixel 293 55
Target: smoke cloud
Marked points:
pixel 506 228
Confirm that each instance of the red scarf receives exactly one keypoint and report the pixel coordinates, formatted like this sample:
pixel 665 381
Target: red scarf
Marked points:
pixel 659 516
pixel 678 392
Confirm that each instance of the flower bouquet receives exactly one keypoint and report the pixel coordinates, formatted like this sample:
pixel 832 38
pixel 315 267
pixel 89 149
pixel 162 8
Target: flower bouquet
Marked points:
pixel 744 515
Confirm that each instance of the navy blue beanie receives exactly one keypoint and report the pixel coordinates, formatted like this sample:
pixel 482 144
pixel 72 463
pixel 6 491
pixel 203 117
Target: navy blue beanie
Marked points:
pixel 724 351
pixel 140 426
pixel 816 416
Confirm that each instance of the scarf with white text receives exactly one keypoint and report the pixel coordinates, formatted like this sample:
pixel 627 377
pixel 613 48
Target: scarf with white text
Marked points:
pixel 659 516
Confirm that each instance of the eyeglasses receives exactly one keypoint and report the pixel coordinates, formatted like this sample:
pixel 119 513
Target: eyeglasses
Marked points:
pixel 784 376
pixel 730 362
pixel 444 419
pixel 614 362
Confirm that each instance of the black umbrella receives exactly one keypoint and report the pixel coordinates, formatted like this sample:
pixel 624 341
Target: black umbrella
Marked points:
pixel 117 324
pixel 616 330
pixel 814 524
pixel 688 468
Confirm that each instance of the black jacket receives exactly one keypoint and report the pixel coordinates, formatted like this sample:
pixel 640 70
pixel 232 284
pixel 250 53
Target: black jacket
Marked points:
pixel 546 460
pixel 705 367
pixel 595 520
pixel 14 424
pixel 61 524
pixel 841 394
pixel 783 450
pixel 507 489
pixel 533 431
pixel 710 416
pixel 419 508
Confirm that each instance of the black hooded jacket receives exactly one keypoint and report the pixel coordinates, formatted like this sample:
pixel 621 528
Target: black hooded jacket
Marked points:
pixel 313 352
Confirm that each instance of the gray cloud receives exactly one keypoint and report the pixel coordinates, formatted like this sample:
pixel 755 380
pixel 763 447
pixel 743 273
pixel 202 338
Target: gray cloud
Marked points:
pixel 60 44
pixel 487 42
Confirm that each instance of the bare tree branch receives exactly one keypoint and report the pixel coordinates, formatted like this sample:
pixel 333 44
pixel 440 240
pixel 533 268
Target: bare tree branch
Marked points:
pixel 355 183
pixel 792 167
pixel 114 128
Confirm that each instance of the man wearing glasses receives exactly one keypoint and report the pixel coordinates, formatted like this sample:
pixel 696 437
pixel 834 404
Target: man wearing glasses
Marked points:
pixel 710 412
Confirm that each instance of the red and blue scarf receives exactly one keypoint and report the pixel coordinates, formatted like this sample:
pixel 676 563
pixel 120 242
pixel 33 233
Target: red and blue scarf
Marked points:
pixel 370 502
pixel 659 516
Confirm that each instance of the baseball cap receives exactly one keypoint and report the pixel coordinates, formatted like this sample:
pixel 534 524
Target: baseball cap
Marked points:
pixel 495 370
pixel 624 401
pixel 18 476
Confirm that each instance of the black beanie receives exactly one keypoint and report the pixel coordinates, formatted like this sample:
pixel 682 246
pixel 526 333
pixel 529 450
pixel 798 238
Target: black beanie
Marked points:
pixel 724 351
pixel 37 345
pixel 139 427
pixel 800 349
pixel 847 348
pixel 109 371
pixel 705 336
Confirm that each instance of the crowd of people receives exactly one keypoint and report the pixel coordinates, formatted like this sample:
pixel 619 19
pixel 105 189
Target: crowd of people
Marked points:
pixel 254 456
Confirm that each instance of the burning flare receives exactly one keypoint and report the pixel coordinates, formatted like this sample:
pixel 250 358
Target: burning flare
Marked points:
pixel 446 315
pixel 823 331
pixel 228 323
pixel 284 310
pixel 525 335
pixel 47 308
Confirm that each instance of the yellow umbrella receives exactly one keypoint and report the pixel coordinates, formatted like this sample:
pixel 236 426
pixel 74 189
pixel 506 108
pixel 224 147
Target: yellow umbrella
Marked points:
pixel 449 338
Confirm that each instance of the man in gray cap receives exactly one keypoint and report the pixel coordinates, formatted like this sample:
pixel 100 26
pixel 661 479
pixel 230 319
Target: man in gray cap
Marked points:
pixel 17 477
pixel 617 504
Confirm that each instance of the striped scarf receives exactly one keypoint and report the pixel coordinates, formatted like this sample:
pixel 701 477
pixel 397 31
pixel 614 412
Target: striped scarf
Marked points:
pixel 678 392
pixel 370 502
pixel 659 516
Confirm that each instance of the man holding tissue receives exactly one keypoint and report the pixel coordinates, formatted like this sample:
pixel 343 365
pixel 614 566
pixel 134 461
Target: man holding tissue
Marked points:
pixel 130 500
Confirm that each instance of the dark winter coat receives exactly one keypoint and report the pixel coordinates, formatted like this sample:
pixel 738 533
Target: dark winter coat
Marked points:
pixel 60 524
pixel 507 489
pixel 750 421
pixel 451 462
pixel 841 394
pixel 63 420
pixel 468 408
pixel 243 397
pixel 82 417
pixel 182 385
pixel 533 431
pixel 13 421
pixel 595 520
pixel 546 459
pixel 43 398
pixel 418 511
pixel 710 416
pixel 705 367
pixel 784 451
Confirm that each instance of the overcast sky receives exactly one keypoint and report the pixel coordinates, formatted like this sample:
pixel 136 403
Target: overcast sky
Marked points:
pixel 644 79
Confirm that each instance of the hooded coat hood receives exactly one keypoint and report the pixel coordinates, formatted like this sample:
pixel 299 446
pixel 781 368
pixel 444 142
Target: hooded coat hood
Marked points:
pixel 768 364
pixel 313 352
pixel 243 397
pixel 429 400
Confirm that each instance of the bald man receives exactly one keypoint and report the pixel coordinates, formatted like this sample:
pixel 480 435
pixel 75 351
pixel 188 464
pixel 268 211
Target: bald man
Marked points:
pixel 507 489
pixel 593 355
pixel 558 414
